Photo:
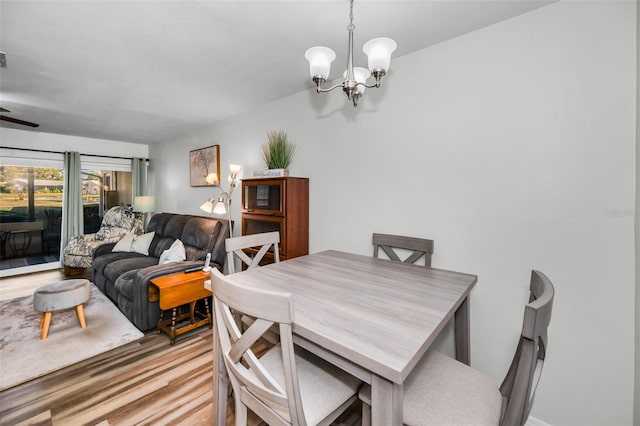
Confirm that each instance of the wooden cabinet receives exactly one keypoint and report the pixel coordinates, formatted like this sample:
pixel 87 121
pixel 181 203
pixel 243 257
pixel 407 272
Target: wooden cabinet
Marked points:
pixel 278 204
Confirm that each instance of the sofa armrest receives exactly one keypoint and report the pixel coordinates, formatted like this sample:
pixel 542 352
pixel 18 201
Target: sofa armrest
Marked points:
pixel 103 249
pixel 145 274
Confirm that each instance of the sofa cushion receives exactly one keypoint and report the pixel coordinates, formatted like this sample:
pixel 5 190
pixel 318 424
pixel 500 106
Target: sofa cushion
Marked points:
pixel 176 225
pixel 104 260
pixel 197 237
pixel 119 267
pixel 158 222
pixel 159 245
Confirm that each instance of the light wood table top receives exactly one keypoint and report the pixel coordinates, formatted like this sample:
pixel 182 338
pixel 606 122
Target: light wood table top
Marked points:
pixel 373 317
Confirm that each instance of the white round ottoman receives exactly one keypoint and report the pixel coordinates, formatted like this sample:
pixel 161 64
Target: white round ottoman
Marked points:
pixel 60 296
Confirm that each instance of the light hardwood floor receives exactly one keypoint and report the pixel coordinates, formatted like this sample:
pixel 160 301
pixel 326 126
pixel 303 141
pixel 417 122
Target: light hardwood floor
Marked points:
pixel 145 382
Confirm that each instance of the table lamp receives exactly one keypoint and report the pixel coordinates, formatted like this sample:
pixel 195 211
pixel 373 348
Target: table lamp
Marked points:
pixel 144 204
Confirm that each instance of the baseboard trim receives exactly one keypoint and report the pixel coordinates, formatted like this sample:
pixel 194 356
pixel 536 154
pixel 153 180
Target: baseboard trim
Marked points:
pixel 532 421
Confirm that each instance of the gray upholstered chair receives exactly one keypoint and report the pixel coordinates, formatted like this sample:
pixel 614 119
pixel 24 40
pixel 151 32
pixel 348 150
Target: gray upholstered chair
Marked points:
pixel 419 246
pixel 236 246
pixel 285 386
pixel 441 390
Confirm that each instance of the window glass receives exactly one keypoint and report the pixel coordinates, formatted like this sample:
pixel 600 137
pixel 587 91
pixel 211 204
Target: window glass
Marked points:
pixel 31 199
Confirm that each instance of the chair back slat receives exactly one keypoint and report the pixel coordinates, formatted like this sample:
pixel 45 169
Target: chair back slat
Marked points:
pixel 519 386
pixel 419 247
pixel 248 338
pixel 236 246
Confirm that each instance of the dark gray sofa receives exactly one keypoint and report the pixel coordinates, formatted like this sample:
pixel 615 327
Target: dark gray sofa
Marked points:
pixel 124 276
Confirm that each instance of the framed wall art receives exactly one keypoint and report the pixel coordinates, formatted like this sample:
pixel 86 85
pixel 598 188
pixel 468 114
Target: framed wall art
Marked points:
pixel 202 162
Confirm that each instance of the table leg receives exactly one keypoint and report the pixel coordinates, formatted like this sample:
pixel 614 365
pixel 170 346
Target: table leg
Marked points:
pixel 192 312
pixel 160 320
pixel 206 308
pixel 172 334
pixel 462 335
pixel 386 402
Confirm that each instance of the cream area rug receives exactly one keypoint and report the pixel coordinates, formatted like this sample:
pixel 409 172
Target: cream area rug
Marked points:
pixel 23 356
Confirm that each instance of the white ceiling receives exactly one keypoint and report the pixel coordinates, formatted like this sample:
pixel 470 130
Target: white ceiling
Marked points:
pixel 144 71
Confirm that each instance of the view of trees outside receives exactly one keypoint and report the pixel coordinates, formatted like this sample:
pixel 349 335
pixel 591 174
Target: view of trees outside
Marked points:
pixel 48 184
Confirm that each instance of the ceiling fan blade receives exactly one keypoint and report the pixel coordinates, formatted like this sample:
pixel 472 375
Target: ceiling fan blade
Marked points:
pixel 17 121
pixel 4 109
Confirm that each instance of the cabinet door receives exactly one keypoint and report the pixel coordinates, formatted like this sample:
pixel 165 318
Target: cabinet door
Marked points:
pixel 264 196
pixel 257 224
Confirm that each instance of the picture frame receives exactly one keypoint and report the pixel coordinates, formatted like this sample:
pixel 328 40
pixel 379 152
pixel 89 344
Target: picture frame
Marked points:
pixel 202 162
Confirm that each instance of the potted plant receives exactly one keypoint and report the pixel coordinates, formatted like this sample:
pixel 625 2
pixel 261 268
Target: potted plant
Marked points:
pixel 278 153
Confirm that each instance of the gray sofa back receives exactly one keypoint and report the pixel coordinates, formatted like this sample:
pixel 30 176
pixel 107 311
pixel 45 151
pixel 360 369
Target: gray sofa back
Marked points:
pixel 199 235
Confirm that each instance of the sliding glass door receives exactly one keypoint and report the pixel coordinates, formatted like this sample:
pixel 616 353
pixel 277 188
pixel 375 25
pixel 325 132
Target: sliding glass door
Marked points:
pixel 30 215
pixel 31 199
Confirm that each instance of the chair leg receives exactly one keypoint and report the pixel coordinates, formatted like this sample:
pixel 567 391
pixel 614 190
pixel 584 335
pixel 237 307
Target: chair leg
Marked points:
pixel 46 321
pixel 80 314
pixel 366 414
pixel 240 412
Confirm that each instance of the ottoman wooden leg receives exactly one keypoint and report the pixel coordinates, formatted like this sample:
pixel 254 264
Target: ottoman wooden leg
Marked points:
pixel 46 321
pixel 80 313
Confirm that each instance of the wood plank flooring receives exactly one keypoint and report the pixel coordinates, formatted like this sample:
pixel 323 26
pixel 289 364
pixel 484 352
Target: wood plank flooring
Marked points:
pixel 148 382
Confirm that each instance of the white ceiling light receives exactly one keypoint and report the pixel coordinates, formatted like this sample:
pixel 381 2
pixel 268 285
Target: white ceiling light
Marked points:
pixel 378 52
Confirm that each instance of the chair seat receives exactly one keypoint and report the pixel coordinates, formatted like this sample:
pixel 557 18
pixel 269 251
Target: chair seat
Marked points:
pixel 443 391
pixel 323 387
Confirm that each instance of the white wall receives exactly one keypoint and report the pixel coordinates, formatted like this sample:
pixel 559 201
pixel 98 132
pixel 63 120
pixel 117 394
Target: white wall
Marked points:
pixel 55 142
pixel 513 147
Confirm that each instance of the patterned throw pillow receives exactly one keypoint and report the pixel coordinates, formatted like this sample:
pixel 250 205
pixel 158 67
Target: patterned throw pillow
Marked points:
pixel 111 233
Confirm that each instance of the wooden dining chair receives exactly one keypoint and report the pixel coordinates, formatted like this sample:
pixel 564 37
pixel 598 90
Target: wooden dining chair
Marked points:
pixel 389 243
pixel 235 248
pixel 441 390
pixel 285 386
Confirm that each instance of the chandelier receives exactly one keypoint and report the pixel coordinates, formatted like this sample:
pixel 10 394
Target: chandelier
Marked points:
pixel 378 51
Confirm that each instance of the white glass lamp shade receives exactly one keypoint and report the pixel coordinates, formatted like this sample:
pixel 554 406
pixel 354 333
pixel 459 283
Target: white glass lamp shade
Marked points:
pixel 220 208
pixel 212 179
pixel 207 206
pixel 320 59
pixel 234 169
pixel 379 52
pixel 361 75
pixel 144 204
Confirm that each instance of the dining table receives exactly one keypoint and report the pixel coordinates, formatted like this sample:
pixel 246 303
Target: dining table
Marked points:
pixel 373 318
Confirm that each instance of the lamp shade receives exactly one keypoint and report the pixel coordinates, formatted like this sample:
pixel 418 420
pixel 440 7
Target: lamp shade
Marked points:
pixel 320 59
pixel 234 169
pixel 144 204
pixel 361 75
pixel 212 179
pixel 220 208
pixel 379 52
pixel 207 206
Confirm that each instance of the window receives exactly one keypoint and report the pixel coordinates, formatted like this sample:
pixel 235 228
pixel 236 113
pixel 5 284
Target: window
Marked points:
pixel 31 202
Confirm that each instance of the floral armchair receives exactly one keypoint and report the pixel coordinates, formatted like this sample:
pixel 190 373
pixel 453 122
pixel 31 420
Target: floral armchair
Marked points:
pixel 117 222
